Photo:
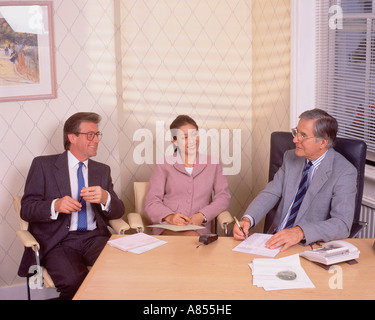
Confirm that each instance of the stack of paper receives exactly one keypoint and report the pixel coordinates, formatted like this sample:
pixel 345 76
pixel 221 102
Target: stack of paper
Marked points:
pixel 279 274
pixel 136 243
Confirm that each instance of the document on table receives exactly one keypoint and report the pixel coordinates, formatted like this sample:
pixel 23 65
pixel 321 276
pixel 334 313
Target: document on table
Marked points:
pixel 173 227
pixel 280 274
pixel 136 243
pixel 256 244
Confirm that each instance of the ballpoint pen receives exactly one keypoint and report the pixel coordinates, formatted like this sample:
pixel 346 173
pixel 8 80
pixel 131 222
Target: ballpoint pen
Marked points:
pixel 239 226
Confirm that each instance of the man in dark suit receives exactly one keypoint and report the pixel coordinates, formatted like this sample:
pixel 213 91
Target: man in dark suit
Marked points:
pixel 68 201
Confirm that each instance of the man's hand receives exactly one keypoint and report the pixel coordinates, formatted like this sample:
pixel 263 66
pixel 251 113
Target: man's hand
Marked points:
pixel 237 233
pixel 286 238
pixel 95 195
pixel 67 205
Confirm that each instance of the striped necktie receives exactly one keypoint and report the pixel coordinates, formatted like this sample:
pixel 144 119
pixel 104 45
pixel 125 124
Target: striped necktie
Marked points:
pixel 82 216
pixel 299 196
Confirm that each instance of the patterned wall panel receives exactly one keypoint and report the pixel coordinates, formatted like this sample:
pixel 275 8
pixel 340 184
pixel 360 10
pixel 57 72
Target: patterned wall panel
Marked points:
pixel 136 62
pixel 86 81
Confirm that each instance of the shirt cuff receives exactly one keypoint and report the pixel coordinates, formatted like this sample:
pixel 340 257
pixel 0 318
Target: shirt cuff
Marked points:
pixel 54 214
pixel 250 218
pixel 107 206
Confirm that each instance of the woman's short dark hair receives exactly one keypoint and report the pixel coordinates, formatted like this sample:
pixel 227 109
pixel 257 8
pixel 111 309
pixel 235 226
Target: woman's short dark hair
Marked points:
pixel 72 125
pixel 326 126
pixel 180 121
pixel 177 123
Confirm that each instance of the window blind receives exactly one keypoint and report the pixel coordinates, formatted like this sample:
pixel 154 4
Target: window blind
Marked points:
pixel 346 66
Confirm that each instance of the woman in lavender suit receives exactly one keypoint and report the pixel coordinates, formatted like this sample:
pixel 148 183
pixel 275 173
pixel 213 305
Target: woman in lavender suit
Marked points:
pixel 181 188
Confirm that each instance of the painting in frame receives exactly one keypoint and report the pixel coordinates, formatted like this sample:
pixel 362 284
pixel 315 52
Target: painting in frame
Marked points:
pixel 27 62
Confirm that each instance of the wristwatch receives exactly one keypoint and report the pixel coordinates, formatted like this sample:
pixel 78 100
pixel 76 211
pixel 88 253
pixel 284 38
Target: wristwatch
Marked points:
pixel 204 218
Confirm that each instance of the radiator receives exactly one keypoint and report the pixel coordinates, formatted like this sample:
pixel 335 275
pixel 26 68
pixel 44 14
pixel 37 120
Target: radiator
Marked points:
pixel 368 216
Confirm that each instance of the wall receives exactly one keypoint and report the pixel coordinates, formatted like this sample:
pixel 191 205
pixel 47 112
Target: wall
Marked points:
pixel 225 63
pixel 86 81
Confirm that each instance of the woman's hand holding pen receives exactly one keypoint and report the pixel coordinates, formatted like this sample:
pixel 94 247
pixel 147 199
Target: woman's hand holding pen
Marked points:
pixel 177 219
pixel 197 219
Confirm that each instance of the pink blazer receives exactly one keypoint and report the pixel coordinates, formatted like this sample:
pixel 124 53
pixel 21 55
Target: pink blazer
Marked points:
pixel 173 190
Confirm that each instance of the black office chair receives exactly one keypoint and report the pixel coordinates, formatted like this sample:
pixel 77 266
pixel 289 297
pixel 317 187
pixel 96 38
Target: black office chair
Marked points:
pixel 353 150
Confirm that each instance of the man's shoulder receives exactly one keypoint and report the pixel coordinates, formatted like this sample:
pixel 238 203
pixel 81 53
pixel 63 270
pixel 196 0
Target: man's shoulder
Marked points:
pixel 97 164
pixel 48 158
pixel 341 162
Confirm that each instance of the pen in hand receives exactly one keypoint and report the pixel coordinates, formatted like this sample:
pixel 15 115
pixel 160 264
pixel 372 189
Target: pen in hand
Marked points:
pixel 239 226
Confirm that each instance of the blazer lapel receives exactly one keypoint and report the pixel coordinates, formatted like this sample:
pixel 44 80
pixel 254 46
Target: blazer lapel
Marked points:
pixel 319 179
pixel 199 167
pixel 62 171
pixel 94 175
pixel 293 179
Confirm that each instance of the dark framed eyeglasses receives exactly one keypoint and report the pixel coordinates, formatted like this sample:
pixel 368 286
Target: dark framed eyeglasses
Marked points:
pixel 91 135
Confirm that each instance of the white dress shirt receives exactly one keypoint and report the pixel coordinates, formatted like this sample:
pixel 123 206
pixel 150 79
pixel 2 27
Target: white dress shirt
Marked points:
pixel 73 164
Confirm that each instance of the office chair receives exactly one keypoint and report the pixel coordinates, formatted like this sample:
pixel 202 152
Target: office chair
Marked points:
pixel 119 226
pixel 353 150
pixel 138 218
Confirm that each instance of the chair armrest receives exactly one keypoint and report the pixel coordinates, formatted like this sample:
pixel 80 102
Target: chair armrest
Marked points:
pixel 119 226
pixel 135 221
pixel 357 227
pixel 28 239
pixel 224 218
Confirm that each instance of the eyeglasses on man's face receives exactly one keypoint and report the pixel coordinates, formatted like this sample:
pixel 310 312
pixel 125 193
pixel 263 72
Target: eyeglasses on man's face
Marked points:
pixel 91 135
pixel 300 135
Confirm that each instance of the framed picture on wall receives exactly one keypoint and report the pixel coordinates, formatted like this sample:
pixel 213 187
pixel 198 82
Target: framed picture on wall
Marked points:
pixel 27 62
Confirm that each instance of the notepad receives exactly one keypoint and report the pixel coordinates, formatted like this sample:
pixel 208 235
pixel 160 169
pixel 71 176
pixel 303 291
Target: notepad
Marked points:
pixel 173 227
pixel 136 243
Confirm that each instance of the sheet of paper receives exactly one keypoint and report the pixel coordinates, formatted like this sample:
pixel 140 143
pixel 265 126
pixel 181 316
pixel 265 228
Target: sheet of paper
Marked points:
pixel 151 246
pixel 256 244
pixel 139 242
pixel 176 228
pixel 265 273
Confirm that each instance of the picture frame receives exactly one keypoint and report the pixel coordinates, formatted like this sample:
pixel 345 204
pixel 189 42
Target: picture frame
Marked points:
pixel 27 57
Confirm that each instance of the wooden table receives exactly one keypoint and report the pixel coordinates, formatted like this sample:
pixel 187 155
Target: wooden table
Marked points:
pixel 179 270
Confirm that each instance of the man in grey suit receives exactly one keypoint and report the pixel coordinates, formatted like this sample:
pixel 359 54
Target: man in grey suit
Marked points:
pixel 59 190
pixel 326 209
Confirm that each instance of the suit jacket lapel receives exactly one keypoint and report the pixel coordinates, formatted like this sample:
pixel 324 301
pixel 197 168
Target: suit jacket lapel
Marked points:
pixel 198 167
pixel 292 182
pixel 319 179
pixel 62 171
pixel 94 175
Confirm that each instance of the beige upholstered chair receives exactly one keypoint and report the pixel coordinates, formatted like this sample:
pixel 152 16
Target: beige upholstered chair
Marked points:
pixel 119 226
pixel 139 218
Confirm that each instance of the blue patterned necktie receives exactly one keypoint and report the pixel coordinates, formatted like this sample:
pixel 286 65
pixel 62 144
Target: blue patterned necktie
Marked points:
pixel 299 196
pixel 82 216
